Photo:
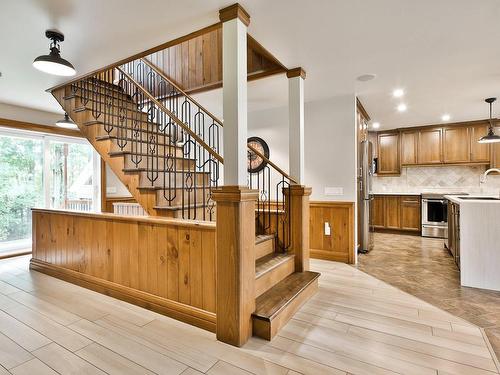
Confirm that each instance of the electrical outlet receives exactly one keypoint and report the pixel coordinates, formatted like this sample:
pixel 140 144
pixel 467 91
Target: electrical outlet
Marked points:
pixel 328 230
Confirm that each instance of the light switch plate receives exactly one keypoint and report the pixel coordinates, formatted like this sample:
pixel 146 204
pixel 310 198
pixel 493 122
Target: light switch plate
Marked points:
pixel 334 190
pixel 328 230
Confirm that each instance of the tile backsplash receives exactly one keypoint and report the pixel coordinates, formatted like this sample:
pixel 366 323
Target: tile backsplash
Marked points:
pixel 439 179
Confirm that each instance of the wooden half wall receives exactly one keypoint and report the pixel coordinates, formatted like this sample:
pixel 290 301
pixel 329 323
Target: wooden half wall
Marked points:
pixel 165 265
pixel 339 245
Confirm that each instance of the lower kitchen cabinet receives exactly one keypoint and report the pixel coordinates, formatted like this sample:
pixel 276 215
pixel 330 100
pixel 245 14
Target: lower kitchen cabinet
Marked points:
pixel 396 212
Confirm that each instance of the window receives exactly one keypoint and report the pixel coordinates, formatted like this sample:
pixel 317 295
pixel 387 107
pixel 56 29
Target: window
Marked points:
pixel 45 172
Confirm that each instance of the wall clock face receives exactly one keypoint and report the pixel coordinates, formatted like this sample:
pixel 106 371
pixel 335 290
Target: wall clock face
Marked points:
pixel 255 162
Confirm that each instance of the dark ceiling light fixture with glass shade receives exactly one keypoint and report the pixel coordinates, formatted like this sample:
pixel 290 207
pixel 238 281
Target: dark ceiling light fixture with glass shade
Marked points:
pixel 491 137
pixel 53 63
pixel 66 123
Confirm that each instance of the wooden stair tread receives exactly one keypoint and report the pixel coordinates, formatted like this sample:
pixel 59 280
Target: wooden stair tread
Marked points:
pixel 270 303
pixel 270 262
pixel 122 153
pixel 263 237
pixel 129 139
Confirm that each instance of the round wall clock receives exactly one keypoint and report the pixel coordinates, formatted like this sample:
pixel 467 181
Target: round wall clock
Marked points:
pixel 255 162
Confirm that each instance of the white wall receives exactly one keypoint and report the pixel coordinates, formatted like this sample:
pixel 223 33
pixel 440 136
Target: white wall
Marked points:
pixel 114 187
pixel 14 112
pixel 330 143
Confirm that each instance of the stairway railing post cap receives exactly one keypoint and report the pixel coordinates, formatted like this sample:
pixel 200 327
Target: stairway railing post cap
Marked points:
pixel 296 72
pixel 234 11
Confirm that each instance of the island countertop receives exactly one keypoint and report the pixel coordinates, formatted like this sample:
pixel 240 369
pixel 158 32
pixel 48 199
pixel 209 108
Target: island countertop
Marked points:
pixel 479 242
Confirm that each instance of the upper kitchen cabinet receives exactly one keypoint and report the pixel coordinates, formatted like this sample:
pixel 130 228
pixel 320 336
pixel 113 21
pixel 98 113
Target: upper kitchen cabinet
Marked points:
pixel 388 154
pixel 479 152
pixel 430 146
pixel 456 144
pixel 495 155
pixel 409 146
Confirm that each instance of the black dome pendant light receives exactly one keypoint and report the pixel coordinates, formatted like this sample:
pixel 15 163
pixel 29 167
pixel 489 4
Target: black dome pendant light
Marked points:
pixel 491 137
pixel 53 63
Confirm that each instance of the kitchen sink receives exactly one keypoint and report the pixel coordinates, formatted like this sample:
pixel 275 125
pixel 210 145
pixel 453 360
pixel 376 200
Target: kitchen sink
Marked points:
pixel 481 198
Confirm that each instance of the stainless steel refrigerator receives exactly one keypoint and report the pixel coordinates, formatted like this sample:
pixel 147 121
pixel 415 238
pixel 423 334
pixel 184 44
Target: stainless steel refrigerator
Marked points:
pixel 365 198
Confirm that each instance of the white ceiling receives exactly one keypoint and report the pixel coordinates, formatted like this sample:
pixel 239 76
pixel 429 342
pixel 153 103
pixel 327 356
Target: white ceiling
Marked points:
pixel 444 53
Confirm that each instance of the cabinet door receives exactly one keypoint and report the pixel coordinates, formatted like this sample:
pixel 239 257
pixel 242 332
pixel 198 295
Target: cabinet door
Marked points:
pixel 410 213
pixel 378 212
pixel 409 141
pixel 392 212
pixel 388 153
pixel 456 143
pixel 430 146
pixel 479 152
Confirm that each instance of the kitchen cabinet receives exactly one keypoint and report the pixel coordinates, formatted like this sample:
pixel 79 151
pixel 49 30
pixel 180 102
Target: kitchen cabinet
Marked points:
pixel 456 144
pixel 479 152
pixel 396 212
pixel 430 146
pixel 410 213
pixel 392 212
pixel 409 146
pixel 378 211
pixel 388 153
pixel 495 155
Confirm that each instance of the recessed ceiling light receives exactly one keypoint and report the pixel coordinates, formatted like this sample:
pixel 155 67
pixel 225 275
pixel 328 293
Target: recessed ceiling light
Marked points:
pixel 402 107
pixel 376 125
pixel 366 77
pixel 445 117
pixel 398 93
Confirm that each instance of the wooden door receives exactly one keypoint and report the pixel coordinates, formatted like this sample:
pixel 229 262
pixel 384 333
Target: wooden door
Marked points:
pixel 430 146
pixel 378 211
pixel 388 153
pixel 410 213
pixel 392 212
pixel 456 144
pixel 409 141
pixel 479 152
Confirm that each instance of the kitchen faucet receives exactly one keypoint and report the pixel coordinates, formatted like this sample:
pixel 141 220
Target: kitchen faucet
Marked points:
pixel 482 179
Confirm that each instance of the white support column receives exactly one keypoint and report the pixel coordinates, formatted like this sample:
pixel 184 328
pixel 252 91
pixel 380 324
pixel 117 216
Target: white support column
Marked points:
pixel 234 87
pixel 296 79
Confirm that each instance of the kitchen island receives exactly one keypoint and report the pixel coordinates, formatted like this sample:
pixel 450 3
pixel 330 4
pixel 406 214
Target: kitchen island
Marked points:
pixel 478 232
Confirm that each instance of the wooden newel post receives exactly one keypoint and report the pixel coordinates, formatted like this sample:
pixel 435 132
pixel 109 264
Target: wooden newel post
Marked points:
pixel 235 263
pixel 298 205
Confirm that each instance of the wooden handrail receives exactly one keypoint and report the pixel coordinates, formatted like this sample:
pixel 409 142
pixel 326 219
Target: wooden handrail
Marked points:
pixel 174 117
pixel 166 78
pixel 283 173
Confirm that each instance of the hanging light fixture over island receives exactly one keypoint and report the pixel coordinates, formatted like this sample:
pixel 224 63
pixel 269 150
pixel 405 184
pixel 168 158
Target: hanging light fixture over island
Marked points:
pixel 491 137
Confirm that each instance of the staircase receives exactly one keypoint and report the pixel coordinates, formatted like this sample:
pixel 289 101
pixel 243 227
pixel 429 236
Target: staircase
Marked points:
pixel 166 149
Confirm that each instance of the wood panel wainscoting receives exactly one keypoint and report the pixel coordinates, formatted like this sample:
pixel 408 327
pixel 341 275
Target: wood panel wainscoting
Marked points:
pixel 339 245
pixel 165 265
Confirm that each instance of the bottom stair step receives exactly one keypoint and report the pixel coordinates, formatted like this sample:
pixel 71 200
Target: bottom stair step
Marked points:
pixel 276 307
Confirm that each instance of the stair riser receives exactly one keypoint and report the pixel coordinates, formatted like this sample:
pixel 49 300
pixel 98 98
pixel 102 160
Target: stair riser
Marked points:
pixel 181 164
pixel 274 276
pixel 269 329
pixel 189 197
pixel 100 103
pixel 177 179
pixel 143 148
pixel 264 248
pixel 193 214
pixel 108 93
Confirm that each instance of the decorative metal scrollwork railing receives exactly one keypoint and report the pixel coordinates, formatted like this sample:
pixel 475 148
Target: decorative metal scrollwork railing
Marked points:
pixel 273 212
pixel 178 157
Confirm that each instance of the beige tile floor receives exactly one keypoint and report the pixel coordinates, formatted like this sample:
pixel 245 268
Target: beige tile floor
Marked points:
pixel 356 324
pixel 422 267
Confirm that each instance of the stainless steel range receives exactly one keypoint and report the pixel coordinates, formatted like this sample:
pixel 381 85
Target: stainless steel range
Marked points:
pixel 435 214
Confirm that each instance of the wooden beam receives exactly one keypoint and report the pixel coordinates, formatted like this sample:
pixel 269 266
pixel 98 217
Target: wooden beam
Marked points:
pixel 38 128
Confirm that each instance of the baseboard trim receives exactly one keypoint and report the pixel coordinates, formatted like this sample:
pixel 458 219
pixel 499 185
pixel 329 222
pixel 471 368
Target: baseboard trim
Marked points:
pixel 173 309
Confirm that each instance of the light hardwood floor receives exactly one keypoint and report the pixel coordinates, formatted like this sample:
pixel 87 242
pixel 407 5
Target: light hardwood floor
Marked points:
pixel 356 324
